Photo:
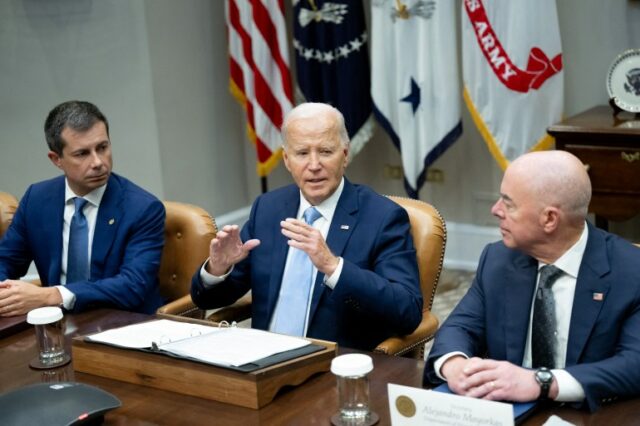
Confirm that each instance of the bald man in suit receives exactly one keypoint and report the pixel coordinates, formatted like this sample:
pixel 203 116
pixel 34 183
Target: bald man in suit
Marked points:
pixel 487 348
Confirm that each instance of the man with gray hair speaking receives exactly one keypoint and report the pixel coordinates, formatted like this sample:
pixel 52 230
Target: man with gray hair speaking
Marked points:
pixel 324 258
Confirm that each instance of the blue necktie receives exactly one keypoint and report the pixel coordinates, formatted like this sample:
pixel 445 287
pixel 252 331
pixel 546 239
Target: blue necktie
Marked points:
pixel 296 286
pixel 78 253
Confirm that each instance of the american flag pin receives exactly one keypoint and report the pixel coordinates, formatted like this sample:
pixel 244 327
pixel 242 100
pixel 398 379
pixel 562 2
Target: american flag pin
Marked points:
pixel 598 297
pixel 345 227
pixel 112 221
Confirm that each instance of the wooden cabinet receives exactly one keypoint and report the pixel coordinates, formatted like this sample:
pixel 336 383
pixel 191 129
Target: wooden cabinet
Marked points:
pixel 609 146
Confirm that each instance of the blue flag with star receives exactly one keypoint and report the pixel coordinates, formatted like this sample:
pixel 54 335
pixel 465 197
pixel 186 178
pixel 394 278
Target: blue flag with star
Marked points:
pixel 415 81
pixel 332 61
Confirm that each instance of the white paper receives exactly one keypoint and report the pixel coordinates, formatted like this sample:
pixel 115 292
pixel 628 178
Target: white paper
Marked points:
pixel 145 334
pixel 232 346
pixel 412 406
pixel 557 421
pixel 235 346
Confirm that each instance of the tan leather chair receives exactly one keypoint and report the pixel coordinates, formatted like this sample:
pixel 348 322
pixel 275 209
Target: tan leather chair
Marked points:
pixel 429 236
pixel 8 206
pixel 188 231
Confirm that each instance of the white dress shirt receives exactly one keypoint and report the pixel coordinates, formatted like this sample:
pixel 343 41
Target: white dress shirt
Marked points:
pixel 327 208
pixel 569 389
pixel 90 211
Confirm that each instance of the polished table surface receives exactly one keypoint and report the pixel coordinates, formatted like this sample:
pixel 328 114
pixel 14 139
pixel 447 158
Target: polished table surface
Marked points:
pixel 311 403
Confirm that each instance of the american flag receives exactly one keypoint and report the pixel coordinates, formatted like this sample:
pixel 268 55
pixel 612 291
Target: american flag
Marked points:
pixel 259 72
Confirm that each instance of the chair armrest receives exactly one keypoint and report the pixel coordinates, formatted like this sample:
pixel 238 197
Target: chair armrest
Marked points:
pixel 183 306
pixel 239 311
pixel 411 345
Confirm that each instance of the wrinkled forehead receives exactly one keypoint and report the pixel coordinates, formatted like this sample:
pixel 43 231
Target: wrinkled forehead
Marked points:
pixel 318 129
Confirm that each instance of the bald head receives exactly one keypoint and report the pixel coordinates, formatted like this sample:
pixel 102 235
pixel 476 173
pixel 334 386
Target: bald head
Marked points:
pixel 555 178
pixel 318 118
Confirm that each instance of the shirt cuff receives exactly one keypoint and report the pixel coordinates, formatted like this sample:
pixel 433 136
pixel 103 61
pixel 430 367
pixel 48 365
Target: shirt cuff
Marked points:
pixel 335 277
pixel 437 365
pixel 569 389
pixel 68 298
pixel 210 280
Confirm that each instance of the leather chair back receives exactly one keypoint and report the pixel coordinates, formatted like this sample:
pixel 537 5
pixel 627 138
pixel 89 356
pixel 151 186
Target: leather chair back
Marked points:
pixel 8 206
pixel 429 238
pixel 188 231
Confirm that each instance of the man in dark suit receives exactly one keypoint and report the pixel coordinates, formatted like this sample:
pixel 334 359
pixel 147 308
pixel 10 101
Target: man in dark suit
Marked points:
pixel 588 349
pixel 362 284
pixel 116 263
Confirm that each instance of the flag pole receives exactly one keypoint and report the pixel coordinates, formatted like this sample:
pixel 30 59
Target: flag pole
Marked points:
pixel 263 184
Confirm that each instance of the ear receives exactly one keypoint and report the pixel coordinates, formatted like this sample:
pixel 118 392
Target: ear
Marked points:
pixel 285 157
pixel 550 219
pixel 346 156
pixel 55 159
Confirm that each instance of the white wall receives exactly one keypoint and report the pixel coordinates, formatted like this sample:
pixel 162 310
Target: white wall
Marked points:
pixel 158 69
pixel 67 49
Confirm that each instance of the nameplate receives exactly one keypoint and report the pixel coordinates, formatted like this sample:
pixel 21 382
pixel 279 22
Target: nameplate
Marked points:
pixel 412 406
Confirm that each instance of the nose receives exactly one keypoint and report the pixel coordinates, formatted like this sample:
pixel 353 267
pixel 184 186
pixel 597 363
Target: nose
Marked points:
pixel 496 209
pixel 96 160
pixel 314 161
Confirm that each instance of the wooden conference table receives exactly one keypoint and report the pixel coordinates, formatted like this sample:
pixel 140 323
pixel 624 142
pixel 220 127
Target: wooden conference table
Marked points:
pixel 311 403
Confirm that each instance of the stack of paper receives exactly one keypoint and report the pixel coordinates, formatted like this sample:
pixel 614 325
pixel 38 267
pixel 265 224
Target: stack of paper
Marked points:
pixel 231 346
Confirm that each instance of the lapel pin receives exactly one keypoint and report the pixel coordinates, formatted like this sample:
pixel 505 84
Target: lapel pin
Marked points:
pixel 112 221
pixel 345 227
pixel 598 297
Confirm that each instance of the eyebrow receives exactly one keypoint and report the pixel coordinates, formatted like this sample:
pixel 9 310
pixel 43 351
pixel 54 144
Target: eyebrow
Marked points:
pixel 505 197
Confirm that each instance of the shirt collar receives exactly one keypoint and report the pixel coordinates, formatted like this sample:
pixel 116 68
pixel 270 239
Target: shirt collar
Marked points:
pixel 325 208
pixel 570 261
pixel 94 197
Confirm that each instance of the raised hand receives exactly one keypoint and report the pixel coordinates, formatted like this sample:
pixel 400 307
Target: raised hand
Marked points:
pixel 227 249
pixel 308 239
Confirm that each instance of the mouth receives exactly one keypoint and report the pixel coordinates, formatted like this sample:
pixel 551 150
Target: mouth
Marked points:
pixel 99 177
pixel 316 181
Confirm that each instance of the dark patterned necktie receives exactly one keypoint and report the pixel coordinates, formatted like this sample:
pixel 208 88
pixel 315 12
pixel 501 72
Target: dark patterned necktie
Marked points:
pixel 543 326
pixel 78 249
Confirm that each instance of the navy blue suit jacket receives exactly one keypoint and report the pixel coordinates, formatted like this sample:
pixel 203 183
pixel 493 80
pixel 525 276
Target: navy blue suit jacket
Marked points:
pixel 378 293
pixel 603 350
pixel 126 249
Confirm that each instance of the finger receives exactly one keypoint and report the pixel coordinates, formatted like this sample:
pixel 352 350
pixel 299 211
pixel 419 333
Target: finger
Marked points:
pixel 476 365
pixel 294 225
pixel 482 390
pixel 251 244
pixel 294 235
pixel 230 228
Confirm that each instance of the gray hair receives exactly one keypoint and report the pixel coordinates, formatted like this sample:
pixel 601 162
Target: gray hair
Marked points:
pixel 314 110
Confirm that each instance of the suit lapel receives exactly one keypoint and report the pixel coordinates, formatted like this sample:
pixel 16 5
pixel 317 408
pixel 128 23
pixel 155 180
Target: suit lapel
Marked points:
pixel 280 247
pixel 340 230
pixel 518 299
pixel 107 222
pixel 54 200
pixel 586 307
